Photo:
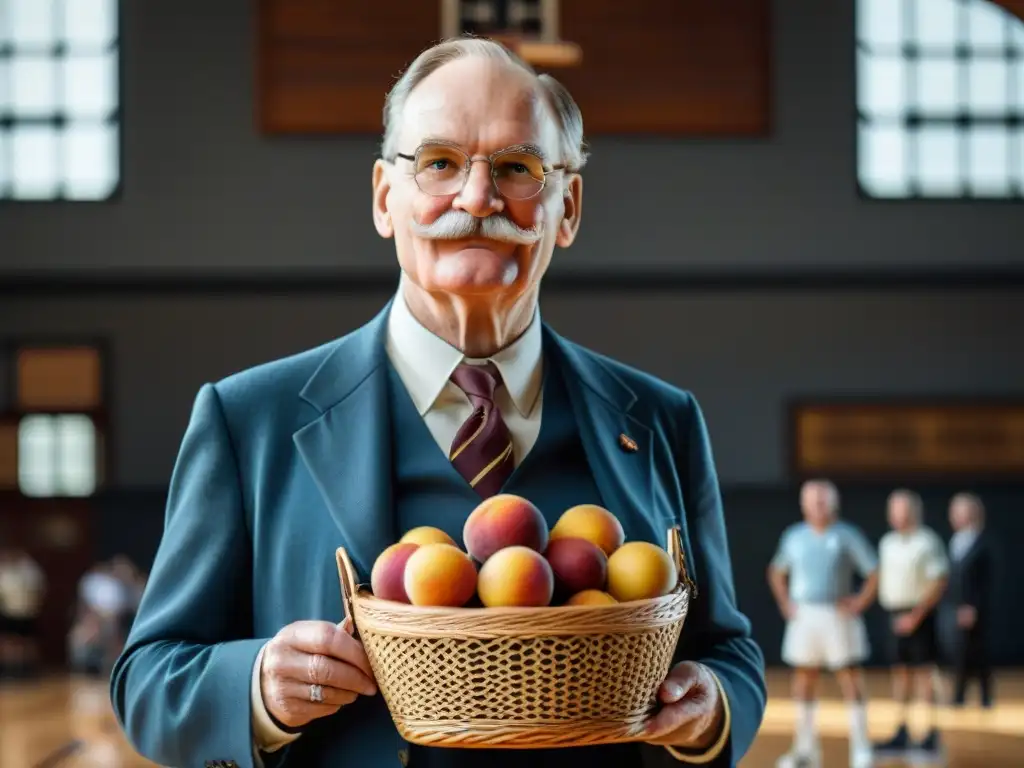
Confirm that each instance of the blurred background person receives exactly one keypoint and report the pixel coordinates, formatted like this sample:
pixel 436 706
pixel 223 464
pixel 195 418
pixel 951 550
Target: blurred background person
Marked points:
pixel 104 598
pixel 22 591
pixel 89 644
pixel 133 584
pixel 913 574
pixel 811 577
pixel 970 587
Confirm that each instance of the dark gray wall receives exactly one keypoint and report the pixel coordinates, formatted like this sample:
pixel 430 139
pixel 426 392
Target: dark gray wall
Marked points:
pixel 204 193
pixel 743 354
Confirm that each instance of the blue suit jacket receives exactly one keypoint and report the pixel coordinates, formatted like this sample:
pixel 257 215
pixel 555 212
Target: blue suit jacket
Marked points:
pixel 283 463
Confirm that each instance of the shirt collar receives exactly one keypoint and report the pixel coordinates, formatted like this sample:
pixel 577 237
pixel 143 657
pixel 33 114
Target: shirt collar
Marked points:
pixel 424 361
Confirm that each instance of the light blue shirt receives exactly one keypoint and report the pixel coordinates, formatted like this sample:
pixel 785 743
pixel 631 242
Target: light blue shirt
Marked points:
pixel 821 565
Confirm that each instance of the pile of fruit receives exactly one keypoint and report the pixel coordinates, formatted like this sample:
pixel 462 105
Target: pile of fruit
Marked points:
pixel 511 559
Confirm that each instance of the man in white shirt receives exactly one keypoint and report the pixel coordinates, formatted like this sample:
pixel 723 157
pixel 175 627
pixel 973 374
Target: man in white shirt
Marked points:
pixel 913 576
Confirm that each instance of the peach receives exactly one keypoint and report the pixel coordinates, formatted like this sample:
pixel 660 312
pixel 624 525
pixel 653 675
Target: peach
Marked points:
pixel 591 597
pixel 516 576
pixel 578 564
pixel 439 575
pixel 593 523
pixel 503 521
pixel 639 570
pixel 387 579
pixel 427 534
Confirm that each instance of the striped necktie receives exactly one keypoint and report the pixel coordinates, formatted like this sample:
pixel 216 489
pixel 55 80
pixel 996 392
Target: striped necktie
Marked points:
pixel 482 449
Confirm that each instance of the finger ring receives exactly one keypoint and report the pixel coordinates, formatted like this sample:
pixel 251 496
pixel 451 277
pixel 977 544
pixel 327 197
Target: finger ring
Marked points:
pixel 316 693
pixel 314 668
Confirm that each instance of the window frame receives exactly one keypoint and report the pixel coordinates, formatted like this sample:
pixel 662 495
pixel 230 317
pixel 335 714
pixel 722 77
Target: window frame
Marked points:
pixel 550 17
pixel 918 195
pixel 12 412
pixel 117 193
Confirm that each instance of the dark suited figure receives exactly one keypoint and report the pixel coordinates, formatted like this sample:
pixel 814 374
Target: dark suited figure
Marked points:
pixel 970 587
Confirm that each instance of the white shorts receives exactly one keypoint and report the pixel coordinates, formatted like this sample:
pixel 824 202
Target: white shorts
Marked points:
pixel 821 636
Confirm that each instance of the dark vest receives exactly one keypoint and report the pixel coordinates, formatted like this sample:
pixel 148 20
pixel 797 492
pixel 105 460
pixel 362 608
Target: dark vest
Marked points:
pixel 555 475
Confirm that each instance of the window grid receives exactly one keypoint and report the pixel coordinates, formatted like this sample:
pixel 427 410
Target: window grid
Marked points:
pixel 59 99
pixel 489 17
pixel 57 455
pixel 933 119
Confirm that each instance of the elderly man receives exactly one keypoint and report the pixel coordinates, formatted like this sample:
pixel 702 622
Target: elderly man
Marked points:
pixel 237 654
pixel 914 571
pixel 811 577
pixel 971 581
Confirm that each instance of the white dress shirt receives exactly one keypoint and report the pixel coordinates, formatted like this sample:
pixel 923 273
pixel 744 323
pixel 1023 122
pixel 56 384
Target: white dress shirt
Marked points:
pixel 424 362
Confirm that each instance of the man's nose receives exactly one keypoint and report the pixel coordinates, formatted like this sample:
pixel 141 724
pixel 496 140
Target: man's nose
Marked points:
pixel 478 196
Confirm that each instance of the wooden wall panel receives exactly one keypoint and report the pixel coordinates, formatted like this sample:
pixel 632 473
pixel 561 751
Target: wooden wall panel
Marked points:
pixel 8 454
pixel 59 378
pixel 59 535
pixel 908 440
pixel 699 67
pixel 324 66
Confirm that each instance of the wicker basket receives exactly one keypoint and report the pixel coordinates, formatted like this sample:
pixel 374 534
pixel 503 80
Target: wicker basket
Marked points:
pixel 557 676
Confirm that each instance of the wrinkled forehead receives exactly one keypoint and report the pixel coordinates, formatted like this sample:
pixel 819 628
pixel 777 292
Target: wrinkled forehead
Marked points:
pixel 481 107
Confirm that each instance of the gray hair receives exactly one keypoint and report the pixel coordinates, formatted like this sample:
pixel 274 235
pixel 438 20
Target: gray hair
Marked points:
pixel 913 499
pixel 973 501
pixel 558 98
pixel 828 487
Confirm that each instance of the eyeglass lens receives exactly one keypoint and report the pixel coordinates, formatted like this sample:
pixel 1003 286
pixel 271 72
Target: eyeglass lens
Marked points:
pixel 442 170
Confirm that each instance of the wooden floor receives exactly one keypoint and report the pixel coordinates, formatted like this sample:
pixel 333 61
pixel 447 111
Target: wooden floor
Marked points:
pixel 67 723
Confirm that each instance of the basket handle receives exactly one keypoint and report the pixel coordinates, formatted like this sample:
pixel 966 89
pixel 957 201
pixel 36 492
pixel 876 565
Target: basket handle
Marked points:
pixel 347 576
pixel 675 549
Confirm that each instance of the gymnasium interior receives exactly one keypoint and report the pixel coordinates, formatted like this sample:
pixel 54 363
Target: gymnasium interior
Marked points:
pixel 808 214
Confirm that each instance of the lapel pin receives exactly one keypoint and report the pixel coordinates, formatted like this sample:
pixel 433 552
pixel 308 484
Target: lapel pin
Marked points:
pixel 627 443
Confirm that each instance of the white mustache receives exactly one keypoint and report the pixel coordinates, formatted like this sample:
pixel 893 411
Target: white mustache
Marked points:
pixel 459 225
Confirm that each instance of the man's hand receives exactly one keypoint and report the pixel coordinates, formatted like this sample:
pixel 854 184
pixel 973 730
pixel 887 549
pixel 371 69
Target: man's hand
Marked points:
pixel 906 623
pixel 694 712
pixel 788 610
pixel 966 616
pixel 308 652
pixel 851 606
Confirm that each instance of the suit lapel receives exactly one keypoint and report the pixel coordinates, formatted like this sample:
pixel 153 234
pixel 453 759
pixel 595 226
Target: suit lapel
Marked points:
pixel 347 448
pixel 601 402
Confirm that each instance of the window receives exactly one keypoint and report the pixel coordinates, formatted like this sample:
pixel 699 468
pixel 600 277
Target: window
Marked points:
pixel 59 99
pixel 525 18
pixel 940 99
pixel 53 431
pixel 57 455
pixel 530 27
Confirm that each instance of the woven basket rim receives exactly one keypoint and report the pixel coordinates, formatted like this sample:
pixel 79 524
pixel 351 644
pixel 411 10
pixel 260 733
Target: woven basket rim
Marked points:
pixel 366 599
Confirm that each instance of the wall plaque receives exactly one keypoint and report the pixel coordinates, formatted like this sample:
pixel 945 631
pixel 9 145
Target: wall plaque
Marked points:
pixel 887 440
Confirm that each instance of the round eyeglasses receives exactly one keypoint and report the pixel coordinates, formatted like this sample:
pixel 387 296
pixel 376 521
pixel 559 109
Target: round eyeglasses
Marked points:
pixel 441 169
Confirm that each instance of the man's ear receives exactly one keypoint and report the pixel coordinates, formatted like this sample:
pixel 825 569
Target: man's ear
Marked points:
pixel 381 187
pixel 572 201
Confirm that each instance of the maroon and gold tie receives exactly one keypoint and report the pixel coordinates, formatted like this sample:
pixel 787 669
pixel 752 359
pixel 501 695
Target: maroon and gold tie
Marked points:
pixel 482 449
